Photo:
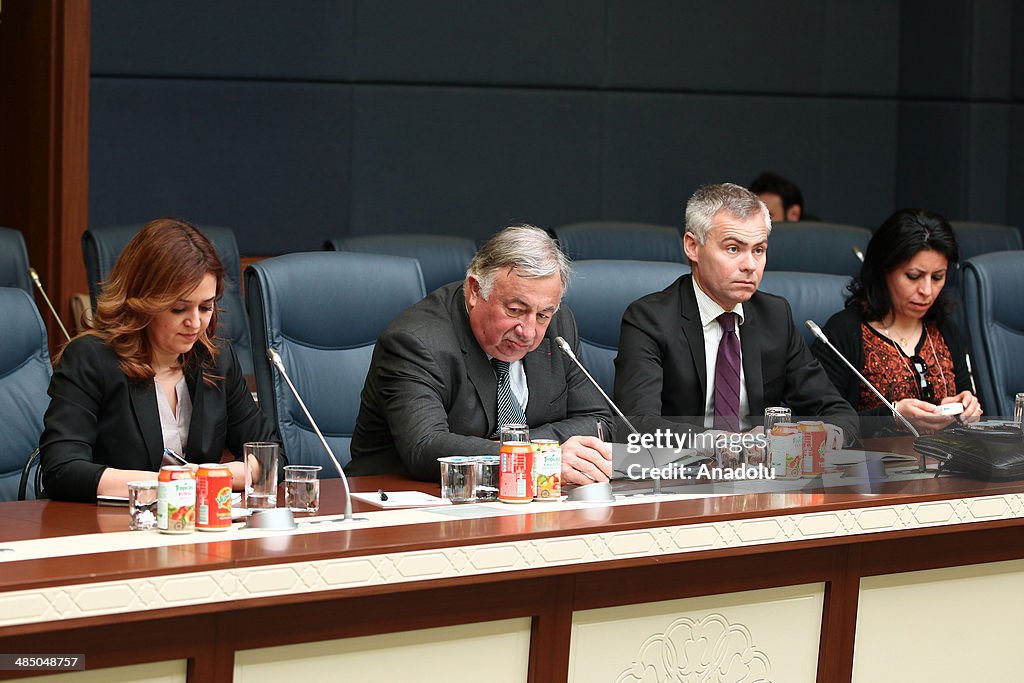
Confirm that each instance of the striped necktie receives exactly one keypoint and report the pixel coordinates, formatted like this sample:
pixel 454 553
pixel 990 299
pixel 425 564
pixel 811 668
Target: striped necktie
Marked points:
pixel 727 376
pixel 509 410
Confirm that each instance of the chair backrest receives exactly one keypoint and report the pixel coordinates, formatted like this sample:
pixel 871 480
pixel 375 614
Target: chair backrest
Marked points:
pixel 974 239
pixel 24 379
pixel 992 286
pixel 617 240
pixel 102 246
pixel 442 258
pixel 599 294
pixel 14 260
pixel 323 312
pixel 812 296
pixel 813 247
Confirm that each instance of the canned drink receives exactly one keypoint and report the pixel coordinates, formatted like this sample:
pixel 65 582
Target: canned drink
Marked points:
pixel 213 497
pixel 547 469
pixel 176 500
pixel 515 478
pixel 814 436
pixel 786 445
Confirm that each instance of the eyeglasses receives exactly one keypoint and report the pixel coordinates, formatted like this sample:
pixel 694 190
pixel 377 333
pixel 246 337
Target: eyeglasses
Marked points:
pixel 924 385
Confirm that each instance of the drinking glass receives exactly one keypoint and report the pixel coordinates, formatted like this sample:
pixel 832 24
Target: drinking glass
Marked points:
pixel 261 474
pixel 302 488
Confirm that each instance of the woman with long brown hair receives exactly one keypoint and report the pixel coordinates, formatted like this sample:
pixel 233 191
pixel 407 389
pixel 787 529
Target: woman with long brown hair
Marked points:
pixel 149 374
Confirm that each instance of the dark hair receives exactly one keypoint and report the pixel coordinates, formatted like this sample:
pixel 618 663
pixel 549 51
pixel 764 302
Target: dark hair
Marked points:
pixel 897 240
pixel 166 259
pixel 776 184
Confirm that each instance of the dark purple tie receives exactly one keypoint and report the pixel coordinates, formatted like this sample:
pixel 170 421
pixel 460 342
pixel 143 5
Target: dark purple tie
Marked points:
pixel 727 376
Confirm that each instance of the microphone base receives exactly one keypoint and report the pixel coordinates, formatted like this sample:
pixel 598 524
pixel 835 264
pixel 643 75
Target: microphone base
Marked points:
pixel 272 519
pixel 597 492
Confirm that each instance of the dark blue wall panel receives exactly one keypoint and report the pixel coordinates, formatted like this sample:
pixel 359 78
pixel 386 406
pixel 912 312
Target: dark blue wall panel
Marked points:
pixel 297 121
pixel 467 161
pixel 270 160
pixel 306 39
pixel 535 42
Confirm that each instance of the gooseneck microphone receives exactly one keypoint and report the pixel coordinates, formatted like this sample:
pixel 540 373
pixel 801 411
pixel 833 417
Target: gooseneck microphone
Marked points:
pixel 816 331
pixel 567 350
pixel 275 359
pixel 39 285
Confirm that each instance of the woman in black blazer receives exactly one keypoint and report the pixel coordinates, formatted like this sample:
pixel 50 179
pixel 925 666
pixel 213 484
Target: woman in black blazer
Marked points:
pixel 149 374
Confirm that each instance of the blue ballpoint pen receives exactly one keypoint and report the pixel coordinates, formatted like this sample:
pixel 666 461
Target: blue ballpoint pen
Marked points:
pixel 168 451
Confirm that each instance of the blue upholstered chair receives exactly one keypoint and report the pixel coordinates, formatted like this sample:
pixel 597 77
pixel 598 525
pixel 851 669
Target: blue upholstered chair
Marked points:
pixel 442 258
pixel 617 240
pixel 975 239
pixel 323 312
pixel 812 296
pixel 14 260
pixel 102 246
pixel 813 247
pixel 992 287
pixel 599 294
pixel 24 378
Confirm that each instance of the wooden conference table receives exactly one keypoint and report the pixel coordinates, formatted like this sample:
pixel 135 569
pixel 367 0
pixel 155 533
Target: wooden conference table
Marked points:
pixel 902 580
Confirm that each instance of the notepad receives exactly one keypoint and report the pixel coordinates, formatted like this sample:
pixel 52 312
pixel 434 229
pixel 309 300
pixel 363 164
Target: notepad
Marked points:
pixel 401 499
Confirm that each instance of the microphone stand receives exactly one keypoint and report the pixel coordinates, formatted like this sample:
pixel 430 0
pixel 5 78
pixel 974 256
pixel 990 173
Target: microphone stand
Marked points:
pixel 275 359
pixel 39 285
pixel 567 350
pixel 816 331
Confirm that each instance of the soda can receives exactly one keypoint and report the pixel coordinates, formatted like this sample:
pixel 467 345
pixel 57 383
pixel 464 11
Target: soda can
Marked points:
pixel 515 478
pixel 547 469
pixel 785 442
pixel 176 500
pixel 814 436
pixel 213 497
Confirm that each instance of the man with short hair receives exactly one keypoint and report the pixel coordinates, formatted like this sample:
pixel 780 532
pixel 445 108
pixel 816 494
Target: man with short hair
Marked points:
pixel 783 198
pixel 473 355
pixel 710 351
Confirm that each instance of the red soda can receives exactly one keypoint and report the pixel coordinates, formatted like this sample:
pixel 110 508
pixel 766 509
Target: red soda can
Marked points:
pixel 213 497
pixel 515 476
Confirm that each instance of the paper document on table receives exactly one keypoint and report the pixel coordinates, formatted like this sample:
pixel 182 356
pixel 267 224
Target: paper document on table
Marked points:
pixel 401 499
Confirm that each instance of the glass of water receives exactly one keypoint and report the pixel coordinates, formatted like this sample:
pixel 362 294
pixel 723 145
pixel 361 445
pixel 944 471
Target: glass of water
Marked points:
pixel 142 505
pixel 302 488
pixel 1018 409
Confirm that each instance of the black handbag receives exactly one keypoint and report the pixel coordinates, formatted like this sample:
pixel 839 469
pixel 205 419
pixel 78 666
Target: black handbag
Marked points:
pixel 992 453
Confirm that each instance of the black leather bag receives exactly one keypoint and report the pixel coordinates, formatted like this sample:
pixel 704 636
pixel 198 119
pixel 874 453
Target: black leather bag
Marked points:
pixel 980 451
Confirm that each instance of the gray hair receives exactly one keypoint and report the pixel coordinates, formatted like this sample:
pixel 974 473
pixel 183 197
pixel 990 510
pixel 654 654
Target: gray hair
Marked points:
pixel 709 200
pixel 528 249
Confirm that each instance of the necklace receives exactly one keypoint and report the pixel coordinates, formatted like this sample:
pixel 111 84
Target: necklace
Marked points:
pixel 904 340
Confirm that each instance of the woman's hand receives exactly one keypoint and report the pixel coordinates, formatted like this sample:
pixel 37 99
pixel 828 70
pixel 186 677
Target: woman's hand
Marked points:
pixel 921 414
pixel 972 407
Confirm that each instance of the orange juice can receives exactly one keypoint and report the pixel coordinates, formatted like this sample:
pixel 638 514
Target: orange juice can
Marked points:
pixel 213 497
pixel 547 469
pixel 176 500
pixel 813 448
pixel 515 476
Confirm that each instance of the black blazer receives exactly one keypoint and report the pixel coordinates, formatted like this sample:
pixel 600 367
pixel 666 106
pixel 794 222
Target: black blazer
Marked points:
pixel 660 369
pixel 431 391
pixel 100 418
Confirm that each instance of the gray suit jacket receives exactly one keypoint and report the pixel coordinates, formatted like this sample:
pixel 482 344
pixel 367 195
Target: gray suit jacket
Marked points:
pixel 431 391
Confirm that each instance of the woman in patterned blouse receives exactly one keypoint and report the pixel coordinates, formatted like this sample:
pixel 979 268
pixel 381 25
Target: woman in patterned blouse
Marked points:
pixel 895 327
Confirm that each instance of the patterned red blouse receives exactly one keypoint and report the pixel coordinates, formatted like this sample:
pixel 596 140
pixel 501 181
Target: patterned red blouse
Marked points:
pixel 888 367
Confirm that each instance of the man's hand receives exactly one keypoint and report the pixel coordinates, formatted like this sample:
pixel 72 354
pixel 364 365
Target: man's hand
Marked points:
pixel 586 459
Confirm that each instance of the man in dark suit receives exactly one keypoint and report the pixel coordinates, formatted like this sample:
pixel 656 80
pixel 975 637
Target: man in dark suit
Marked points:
pixel 476 354
pixel 680 364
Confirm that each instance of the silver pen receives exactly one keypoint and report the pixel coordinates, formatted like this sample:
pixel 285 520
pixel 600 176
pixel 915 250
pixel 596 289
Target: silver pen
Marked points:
pixel 175 456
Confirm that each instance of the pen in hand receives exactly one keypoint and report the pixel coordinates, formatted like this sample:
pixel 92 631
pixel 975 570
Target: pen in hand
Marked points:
pixel 168 453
